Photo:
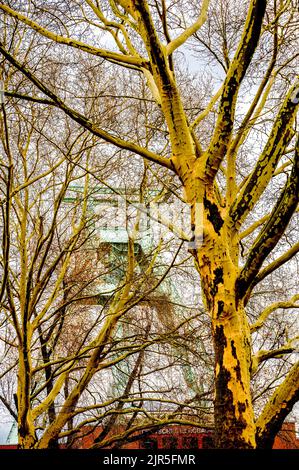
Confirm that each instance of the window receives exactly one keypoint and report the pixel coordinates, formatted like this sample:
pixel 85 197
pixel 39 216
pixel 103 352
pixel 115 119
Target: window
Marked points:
pixel 149 443
pixel 207 442
pixel 170 442
pixel 190 443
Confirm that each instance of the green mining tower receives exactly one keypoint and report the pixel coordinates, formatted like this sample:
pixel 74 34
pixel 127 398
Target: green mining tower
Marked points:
pixel 109 208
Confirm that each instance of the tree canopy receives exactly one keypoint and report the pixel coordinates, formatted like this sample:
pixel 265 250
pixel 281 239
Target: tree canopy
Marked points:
pixel 197 101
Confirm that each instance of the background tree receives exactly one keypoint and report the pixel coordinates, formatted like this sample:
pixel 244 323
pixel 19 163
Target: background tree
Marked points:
pixel 235 164
pixel 83 329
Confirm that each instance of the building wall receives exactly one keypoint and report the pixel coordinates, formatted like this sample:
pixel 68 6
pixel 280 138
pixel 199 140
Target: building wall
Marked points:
pixel 186 437
pixel 177 437
pixel 286 439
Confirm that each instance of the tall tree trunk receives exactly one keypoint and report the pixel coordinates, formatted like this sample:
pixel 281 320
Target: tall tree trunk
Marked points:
pixel 26 429
pixel 234 418
pixel 217 262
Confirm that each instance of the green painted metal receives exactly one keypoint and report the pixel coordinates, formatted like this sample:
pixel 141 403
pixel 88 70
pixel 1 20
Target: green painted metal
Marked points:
pixel 118 241
pixel 12 438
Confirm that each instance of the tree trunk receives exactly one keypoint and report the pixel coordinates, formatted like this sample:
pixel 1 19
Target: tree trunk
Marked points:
pixel 26 429
pixel 217 263
pixel 234 418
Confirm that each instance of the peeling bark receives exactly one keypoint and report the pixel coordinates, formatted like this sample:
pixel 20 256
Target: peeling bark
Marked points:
pixel 217 263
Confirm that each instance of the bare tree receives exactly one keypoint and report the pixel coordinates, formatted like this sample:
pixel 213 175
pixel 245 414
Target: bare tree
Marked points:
pixel 77 317
pixel 235 163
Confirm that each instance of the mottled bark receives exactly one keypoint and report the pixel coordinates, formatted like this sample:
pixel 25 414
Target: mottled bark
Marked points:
pixel 217 263
pixel 26 429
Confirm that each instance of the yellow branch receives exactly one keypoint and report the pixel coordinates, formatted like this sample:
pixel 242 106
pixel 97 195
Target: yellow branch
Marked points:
pixel 113 24
pixel 47 402
pixel 257 224
pixel 248 123
pixel 83 121
pixel 278 262
pixel 182 38
pixel 271 233
pixel 263 355
pixel 208 108
pixel 182 143
pixel 105 54
pixel 272 308
pixel 254 226
pixel 278 406
pixel 269 158
pixel 224 126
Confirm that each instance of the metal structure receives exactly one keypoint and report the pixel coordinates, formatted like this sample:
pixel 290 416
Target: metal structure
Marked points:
pixel 12 438
pixel 110 233
pixel 110 230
